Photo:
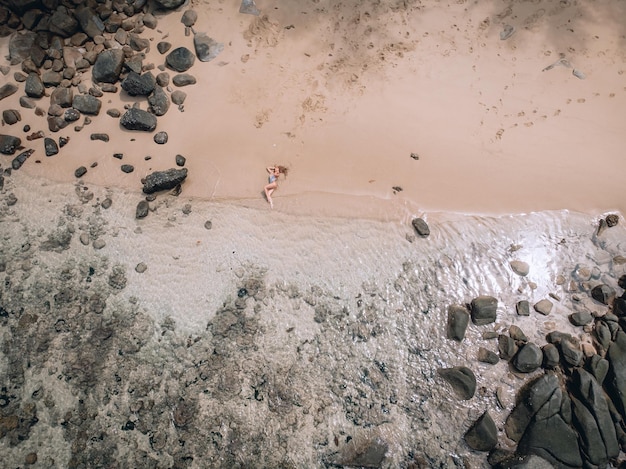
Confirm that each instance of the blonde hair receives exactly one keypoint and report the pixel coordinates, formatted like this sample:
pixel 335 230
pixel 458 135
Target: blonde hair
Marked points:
pixel 282 169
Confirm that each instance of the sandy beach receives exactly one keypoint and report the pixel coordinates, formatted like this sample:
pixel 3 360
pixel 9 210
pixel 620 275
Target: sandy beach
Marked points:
pixel 343 93
pixel 216 332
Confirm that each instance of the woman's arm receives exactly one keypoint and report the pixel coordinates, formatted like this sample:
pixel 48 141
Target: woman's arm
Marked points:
pixel 270 169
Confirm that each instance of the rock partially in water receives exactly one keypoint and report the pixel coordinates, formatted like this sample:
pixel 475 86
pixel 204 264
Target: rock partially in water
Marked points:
pixel 462 380
pixel 543 307
pixel 458 319
pixel 483 434
pixel 9 144
pixel 484 310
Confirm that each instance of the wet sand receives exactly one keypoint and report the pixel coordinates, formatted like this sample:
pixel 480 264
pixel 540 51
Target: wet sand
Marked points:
pixel 344 93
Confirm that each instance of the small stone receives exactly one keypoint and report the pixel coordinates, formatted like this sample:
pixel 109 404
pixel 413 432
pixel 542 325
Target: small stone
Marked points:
pixel 421 227
pixel 178 97
pixel 415 156
pixel 487 356
pixel 50 146
pixel 603 294
pixel 100 136
pixel 163 47
pixel 106 203
pixel 80 171
pixel 208 224
pixel 517 334
pixel 521 268
pixel 180 160
pixel 543 307
pixel 119 156
pixel 142 209
pixel 127 168
pixel 141 268
pixel 160 138
pixel 187 209
pixel 523 308
pixel 612 220
pixel 84 238
pixel 184 79
pixel 99 243
pixel 114 113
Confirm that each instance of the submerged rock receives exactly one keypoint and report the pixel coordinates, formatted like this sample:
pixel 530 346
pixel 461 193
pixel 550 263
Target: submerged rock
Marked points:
pixel 484 309
pixel 483 434
pixel 421 227
pixel 461 379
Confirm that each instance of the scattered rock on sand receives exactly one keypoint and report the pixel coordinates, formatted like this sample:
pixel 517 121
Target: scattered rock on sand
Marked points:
pixel 189 18
pixel 208 224
pixel 178 97
pixel 33 87
pixel 50 146
pixel 7 90
pixel 20 159
pixel 521 268
pixel 160 138
pixel 180 160
pixel 139 85
pixel 87 104
pixel 80 171
pixel 142 209
pixel 159 101
pixel 138 119
pixel 11 116
pixel 184 79
pixel 164 180
pixel 163 47
pixel 141 268
pixel 100 136
pixel 127 168
pixel 461 379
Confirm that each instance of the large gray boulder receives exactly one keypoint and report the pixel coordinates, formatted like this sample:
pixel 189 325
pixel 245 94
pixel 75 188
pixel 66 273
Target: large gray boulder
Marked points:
pixel 138 119
pixel 616 378
pixel 139 85
pixel 180 59
pixel 108 66
pixel 164 180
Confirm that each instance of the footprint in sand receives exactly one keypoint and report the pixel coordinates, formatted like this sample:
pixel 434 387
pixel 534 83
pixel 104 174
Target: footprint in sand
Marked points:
pixel 507 32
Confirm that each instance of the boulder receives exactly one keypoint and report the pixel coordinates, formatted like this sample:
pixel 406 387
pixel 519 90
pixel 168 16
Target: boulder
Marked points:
pixel 553 440
pixel 180 59
pixel 616 379
pixel 9 144
pixel 206 48
pixel 138 119
pixel 483 309
pixel 159 101
pixel 581 318
pixel 87 104
pixel 420 226
pixel 139 85
pixel 33 87
pixel 458 319
pixel 570 352
pixel 483 434
pixel 51 78
pixel 461 379
pixel 138 43
pixel 528 358
pixel 598 367
pixel 164 180
pixel 108 66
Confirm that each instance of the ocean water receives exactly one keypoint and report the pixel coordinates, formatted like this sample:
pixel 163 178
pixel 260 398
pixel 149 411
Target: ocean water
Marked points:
pixel 269 339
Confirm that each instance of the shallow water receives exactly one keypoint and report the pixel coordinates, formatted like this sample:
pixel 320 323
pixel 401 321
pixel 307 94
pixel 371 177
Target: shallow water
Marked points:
pixel 293 341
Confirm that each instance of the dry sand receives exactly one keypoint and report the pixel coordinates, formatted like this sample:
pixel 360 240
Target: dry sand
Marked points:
pixel 344 92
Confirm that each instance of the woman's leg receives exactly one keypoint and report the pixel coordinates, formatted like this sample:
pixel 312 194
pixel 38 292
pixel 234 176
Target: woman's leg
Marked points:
pixel 268 192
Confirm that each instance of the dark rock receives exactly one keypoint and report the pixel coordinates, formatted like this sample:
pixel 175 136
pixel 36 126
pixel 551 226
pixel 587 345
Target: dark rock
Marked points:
pixel 598 367
pixel 458 319
pixel 20 45
pixel 119 156
pixel 142 209
pixel 27 103
pixel 127 168
pixel 163 47
pixel 169 4
pixel 180 59
pixel 33 87
pixel 420 226
pixel 551 357
pixel 543 307
pixel 163 79
pixel 483 434
pixel 506 347
pixel 138 119
pixel 80 171
pixel 570 352
pixel 11 116
pixel 366 454
pixel 100 136
pixel 95 91
pixel 517 334
pixel 616 379
pixel 106 203
pixel 114 113
pixel 184 79
pixel 160 138
pixel 55 110
pixel 164 180
pixel 612 220
pixel 189 18
pixel 149 20
pixel 461 379
pixel 62 97
pixel 63 23
pixel 180 160
pixel 20 159
pixel 7 90
pixel 51 78
pixel 603 334
pixel 159 102
pixel 50 146
pixel 208 224
pixel 87 104
pixel 552 439
pixel 71 115
pixel 206 48
pixel 487 356
pixel 619 307
pixel 139 85
pixel 178 97
pixel 89 21
pixel 581 318
pixel 528 358
pixel 108 66
pixel 603 294
pixel 9 144
pixel 483 309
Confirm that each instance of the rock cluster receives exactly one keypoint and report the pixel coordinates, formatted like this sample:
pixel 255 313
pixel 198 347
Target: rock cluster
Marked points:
pixel 60 45
pixel 572 413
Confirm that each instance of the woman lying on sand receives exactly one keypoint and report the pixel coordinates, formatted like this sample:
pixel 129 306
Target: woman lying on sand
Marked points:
pixel 275 171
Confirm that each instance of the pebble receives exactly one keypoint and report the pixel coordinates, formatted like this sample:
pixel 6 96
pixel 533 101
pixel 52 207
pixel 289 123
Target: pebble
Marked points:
pixel 208 224
pixel 80 171
pixel 180 160
pixel 187 209
pixel 141 268
pixel 520 267
pixel 106 203
pixel 84 238
pixel 127 168
pixel 99 243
